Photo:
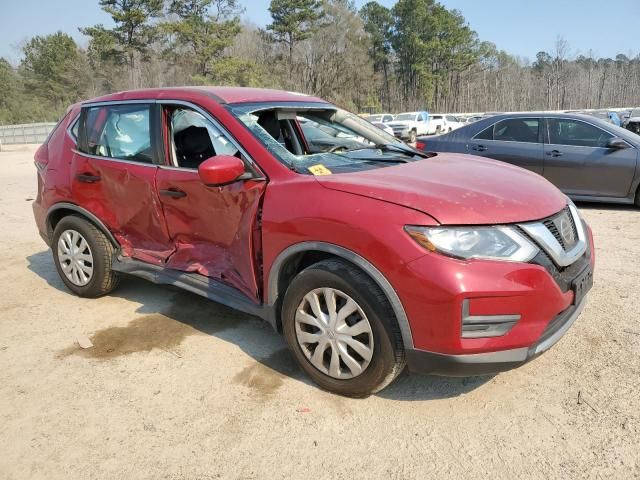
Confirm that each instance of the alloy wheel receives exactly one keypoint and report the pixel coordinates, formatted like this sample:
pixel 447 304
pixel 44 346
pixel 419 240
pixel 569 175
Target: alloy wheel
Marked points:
pixel 75 257
pixel 334 333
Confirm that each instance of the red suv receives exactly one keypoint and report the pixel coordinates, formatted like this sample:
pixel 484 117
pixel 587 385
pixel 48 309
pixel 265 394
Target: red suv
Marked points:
pixel 366 254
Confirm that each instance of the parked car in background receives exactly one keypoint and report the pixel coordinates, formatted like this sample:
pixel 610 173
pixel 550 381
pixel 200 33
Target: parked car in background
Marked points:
pixel 452 122
pixel 384 127
pixel 474 118
pixel 366 259
pixel 380 117
pixel 409 125
pixel 633 122
pixel 322 138
pixel 585 157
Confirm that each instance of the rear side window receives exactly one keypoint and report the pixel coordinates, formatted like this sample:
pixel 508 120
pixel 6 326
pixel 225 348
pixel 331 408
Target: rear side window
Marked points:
pixel 512 130
pixel 576 133
pixel 118 131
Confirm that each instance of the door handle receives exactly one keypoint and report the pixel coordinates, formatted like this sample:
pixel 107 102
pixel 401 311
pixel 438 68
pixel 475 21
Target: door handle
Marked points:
pixel 88 178
pixel 555 153
pixel 173 193
pixel 479 148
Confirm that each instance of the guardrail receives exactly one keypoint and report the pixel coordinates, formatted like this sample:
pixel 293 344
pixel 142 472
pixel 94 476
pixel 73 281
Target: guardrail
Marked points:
pixel 25 133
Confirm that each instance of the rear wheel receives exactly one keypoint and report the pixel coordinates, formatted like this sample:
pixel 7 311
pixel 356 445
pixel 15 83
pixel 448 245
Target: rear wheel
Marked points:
pixel 341 329
pixel 638 197
pixel 83 256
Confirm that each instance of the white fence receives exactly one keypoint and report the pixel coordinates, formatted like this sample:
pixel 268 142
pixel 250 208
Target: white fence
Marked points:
pixel 27 133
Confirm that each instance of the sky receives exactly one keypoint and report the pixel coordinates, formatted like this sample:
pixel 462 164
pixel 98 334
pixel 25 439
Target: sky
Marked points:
pixel 520 27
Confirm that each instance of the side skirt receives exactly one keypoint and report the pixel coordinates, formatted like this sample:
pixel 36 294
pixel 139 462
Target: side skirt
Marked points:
pixel 629 200
pixel 195 283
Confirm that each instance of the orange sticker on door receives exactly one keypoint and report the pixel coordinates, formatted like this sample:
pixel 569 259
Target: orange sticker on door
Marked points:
pixel 319 169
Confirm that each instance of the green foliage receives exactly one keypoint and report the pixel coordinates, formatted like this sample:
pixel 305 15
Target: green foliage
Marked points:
pixel 236 72
pixel 9 92
pixel 378 23
pixel 132 36
pixel 417 54
pixel 293 21
pixel 202 30
pixel 53 70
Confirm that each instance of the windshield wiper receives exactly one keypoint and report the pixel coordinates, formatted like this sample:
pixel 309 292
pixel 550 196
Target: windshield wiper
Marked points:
pixel 380 160
pixel 392 147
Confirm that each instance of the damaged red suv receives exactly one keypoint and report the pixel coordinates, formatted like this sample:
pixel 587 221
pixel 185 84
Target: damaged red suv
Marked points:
pixel 366 254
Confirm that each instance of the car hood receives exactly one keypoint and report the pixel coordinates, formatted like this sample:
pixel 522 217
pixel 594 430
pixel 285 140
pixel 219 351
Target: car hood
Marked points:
pixel 457 189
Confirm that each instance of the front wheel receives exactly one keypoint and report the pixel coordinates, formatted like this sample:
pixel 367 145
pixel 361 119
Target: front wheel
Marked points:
pixel 342 330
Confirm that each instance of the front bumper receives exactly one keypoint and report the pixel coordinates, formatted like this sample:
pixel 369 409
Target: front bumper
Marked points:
pixel 430 363
pixel 402 134
pixel 535 303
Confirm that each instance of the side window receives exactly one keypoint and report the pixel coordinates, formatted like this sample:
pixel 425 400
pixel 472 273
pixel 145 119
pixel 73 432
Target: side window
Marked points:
pixel 420 117
pixel 74 129
pixel 119 131
pixel 388 118
pixel 451 118
pixel 486 134
pixel 576 133
pixel 194 139
pixel 512 130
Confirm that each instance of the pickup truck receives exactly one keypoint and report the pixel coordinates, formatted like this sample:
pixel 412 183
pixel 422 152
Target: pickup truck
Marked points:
pixel 410 125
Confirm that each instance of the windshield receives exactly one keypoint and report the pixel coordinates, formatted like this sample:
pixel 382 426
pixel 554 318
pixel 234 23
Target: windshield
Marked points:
pixel 307 135
pixel 405 117
pixel 374 118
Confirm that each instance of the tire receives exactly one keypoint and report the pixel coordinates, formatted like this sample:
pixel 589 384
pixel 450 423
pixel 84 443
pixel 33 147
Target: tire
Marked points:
pixel 93 252
pixel 638 198
pixel 413 136
pixel 383 340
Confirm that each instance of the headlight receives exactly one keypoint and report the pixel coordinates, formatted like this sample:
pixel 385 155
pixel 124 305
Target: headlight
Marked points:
pixel 495 243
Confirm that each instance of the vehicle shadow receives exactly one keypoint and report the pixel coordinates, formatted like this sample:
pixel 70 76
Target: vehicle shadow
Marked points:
pixel 162 306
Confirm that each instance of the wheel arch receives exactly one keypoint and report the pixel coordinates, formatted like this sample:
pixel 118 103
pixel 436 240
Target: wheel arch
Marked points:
pixel 60 210
pixel 287 264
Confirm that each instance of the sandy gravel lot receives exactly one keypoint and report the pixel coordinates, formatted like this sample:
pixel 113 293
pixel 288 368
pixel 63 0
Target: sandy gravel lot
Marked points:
pixel 180 388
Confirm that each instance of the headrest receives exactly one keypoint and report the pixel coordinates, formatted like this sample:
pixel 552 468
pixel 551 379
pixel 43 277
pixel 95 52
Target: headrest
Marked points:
pixel 269 121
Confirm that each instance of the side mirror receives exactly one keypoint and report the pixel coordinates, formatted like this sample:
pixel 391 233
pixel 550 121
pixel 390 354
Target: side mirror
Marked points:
pixel 220 170
pixel 617 143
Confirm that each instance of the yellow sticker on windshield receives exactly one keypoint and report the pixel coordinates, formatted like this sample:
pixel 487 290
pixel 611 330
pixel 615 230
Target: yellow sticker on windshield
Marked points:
pixel 319 169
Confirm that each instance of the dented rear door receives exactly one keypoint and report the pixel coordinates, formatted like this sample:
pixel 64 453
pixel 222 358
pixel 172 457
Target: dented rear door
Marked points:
pixel 114 173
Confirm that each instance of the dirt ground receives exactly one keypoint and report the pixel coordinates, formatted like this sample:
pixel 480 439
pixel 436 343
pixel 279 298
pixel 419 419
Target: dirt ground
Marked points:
pixel 177 387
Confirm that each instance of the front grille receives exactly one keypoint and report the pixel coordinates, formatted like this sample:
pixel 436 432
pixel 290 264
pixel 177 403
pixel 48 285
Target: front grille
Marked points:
pixel 552 228
pixel 563 276
pixel 562 237
pixel 554 225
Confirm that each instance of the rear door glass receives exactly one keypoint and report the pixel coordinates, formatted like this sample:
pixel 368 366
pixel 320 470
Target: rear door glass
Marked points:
pixel 119 131
pixel 512 130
